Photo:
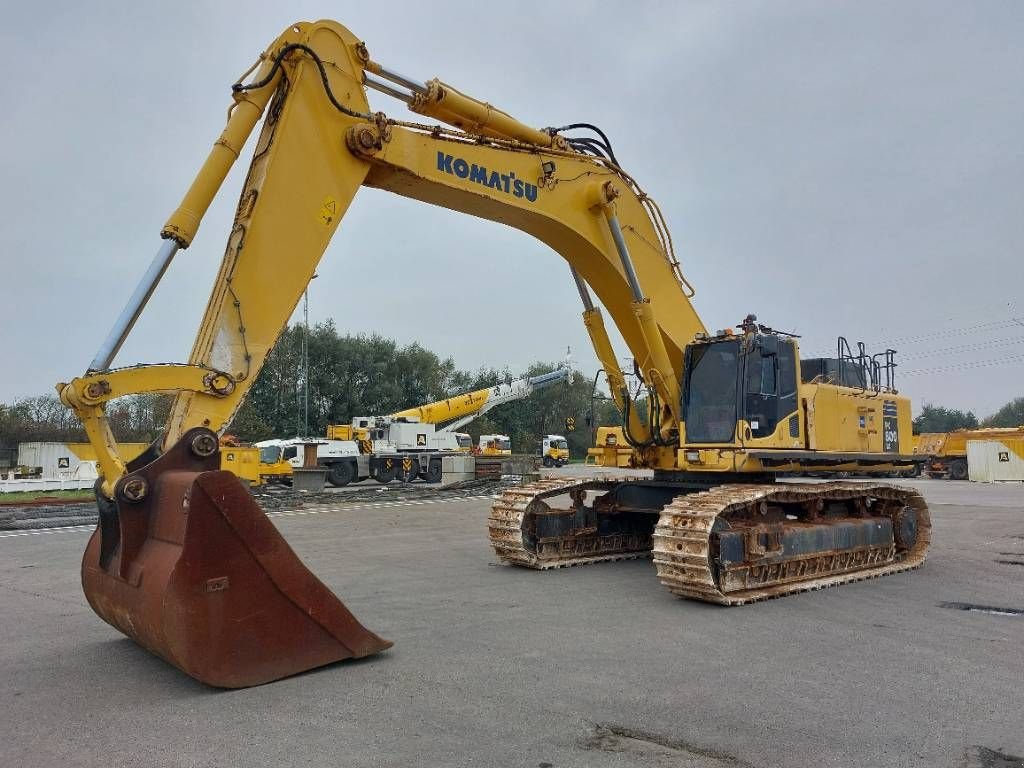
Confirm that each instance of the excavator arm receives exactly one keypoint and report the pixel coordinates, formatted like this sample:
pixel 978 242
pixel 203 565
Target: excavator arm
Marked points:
pixel 319 143
pixel 183 560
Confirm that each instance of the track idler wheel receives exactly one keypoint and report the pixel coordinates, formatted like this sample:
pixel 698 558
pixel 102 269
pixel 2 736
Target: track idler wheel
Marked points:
pixel 185 563
pixel 904 528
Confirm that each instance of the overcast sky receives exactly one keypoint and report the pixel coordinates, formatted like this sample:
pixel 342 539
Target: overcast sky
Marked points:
pixel 845 168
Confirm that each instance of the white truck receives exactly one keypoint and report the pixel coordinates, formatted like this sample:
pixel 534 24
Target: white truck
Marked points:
pixel 554 450
pixel 494 445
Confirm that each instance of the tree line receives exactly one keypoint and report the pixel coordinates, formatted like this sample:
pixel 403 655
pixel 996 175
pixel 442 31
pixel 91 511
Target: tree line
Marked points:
pixel 138 418
pixel 936 418
pixel 348 376
pixel 370 375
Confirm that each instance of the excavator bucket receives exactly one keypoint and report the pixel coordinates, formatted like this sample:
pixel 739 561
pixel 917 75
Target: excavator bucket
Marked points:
pixel 184 562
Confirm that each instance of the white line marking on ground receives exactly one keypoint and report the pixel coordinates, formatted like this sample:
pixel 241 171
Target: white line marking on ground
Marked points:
pixel 38 531
pixel 88 528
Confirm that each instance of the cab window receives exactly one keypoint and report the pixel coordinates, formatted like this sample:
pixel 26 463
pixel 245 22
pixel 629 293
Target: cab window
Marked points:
pixel 761 374
pixel 787 379
pixel 710 392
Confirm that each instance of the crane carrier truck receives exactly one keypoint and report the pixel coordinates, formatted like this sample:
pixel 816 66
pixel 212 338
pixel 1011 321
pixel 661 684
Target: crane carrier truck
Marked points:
pixel 406 445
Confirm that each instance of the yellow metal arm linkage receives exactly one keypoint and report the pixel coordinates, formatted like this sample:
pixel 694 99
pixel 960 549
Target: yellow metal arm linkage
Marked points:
pixel 319 143
pixel 88 397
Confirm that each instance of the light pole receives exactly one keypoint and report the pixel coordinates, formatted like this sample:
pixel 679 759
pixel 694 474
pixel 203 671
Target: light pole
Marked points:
pixel 305 358
pixel 305 362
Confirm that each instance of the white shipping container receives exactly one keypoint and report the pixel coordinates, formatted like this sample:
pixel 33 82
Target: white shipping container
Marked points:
pixel 57 460
pixel 64 461
pixel 990 461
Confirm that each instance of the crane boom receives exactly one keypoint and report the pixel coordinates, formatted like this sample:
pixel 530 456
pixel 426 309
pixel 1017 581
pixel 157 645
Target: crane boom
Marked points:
pixel 456 412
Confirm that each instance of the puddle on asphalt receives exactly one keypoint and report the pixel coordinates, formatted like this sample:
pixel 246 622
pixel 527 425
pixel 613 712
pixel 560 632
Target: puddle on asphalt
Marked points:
pixel 989 609
pixel 662 751
pixel 983 757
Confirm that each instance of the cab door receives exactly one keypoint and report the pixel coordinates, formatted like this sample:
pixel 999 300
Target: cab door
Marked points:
pixel 769 388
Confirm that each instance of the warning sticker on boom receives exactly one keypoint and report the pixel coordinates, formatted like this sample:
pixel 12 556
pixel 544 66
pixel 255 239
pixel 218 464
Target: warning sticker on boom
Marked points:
pixel 328 211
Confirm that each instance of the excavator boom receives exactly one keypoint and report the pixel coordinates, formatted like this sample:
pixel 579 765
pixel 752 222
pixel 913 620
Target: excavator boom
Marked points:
pixel 310 84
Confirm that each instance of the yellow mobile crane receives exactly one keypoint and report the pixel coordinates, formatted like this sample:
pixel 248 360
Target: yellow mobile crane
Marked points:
pixel 458 411
pixel 186 563
pixel 407 445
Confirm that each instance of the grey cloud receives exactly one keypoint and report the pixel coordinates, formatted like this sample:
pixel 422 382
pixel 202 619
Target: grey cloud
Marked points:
pixel 842 167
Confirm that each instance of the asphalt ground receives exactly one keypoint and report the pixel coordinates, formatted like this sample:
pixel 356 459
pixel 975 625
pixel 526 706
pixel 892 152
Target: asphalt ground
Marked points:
pixel 498 666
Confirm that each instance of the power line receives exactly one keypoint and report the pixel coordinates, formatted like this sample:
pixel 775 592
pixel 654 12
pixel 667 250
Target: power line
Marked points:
pixel 978 329
pixel 994 311
pixel 962 331
pixel 1013 359
pixel 990 310
pixel 974 346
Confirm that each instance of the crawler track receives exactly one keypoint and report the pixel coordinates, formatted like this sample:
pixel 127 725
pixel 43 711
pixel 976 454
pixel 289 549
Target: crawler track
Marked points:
pixel 511 516
pixel 683 547
pixel 684 541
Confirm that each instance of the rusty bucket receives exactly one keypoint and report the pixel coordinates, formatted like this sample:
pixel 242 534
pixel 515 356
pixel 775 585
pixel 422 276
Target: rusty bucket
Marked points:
pixel 184 562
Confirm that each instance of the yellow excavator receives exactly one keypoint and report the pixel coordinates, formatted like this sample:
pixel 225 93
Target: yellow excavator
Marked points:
pixel 185 562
